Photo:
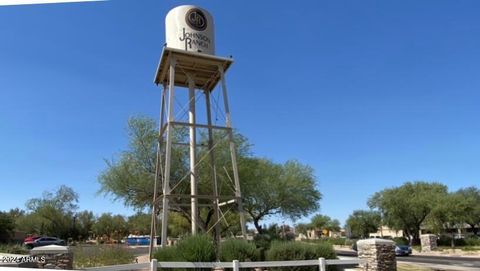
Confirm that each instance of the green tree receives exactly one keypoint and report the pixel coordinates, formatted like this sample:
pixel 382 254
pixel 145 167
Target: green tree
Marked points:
pixel 7 225
pixel 31 223
pixel 267 188
pixel 324 222
pixel 277 189
pixel 333 225
pixel 361 223
pixel 114 227
pixel 139 223
pixel 16 213
pixel 302 228
pixel 131 177
pixel 472 197
pixel 84 223
pixel 178 225
pixel 449 214
pixel 52 214
pixel 406 207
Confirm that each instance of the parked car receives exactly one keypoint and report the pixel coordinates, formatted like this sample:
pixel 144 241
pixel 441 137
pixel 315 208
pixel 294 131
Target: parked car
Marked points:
pixel 403 250
pixel 44 241
pixel 30 239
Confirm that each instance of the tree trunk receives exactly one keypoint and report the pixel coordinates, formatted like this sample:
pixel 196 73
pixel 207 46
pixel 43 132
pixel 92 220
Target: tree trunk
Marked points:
pixel 452 242
pixel 415 238
pixel 257 226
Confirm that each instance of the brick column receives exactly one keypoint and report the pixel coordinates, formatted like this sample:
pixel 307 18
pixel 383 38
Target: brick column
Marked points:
pixel 428 242
pixel 378 253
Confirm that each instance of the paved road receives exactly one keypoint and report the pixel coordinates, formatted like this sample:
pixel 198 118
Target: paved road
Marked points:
pixel 466 262
pixel 138 250
pixel 442 260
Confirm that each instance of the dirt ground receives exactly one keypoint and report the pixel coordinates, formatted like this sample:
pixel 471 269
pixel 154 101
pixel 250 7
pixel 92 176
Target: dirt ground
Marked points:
pixel 143 258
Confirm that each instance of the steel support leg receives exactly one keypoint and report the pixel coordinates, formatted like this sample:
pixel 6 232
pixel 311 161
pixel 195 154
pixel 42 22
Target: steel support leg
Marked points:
pixel 216 215
pixel 233 153
pixel 168 152
pixel 193 160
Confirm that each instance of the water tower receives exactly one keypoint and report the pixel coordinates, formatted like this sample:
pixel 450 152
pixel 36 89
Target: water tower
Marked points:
pixel 189 67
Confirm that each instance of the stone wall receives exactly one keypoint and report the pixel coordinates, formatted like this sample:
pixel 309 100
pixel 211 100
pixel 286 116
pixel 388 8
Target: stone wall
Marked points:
pixel 429 242
pixel 378 253
pixel 56 261
pixel 53 257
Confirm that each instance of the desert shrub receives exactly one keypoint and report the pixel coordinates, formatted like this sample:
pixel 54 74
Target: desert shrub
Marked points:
pixel 92 256
pixel 400 240
pixel 472 241
pixel 290 251
pixel 13 249
pixel 460 242
pixel 197 248
pixel 447 241
pixel 168 254
pixel 324 251
pixel 336 241
pixel 237 249
pixel 333 241
pixel 262 242
pixel 325 240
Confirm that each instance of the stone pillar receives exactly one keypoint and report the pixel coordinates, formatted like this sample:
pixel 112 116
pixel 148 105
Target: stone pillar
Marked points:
pixel 378 253
pixel 428 242
pixel 53 257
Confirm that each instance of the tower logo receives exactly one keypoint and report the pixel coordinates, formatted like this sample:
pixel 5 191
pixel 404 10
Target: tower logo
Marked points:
pixel 196 19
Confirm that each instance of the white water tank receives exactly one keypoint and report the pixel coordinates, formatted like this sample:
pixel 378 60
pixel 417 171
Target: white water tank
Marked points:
pixel 190 28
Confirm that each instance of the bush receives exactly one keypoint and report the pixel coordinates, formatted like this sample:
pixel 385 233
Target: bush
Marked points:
pixel 324 251
pixel 13 249
pixel 237 249
pixel 262 242
pixel 290 251
pixel 93 256
pixel 197 248
pixel 472 241
pixel 333 241
pixel 168 254
pixel 447 241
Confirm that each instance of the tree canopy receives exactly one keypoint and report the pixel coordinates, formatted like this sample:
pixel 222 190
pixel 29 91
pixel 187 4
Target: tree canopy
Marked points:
pixel 52 214
pixel 7 225
pixel 362 222
pixel 270 189
pixel 267 188
pixel 111 226
pixel 471 195
pixel 406 207
pixel 324 223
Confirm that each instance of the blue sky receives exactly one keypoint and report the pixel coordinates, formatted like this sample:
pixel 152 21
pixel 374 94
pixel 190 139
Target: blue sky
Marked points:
pixel 371 94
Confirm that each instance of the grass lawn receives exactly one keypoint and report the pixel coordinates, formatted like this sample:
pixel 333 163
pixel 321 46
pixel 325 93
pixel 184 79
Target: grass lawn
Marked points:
pixel 13 249
pixel 100 255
